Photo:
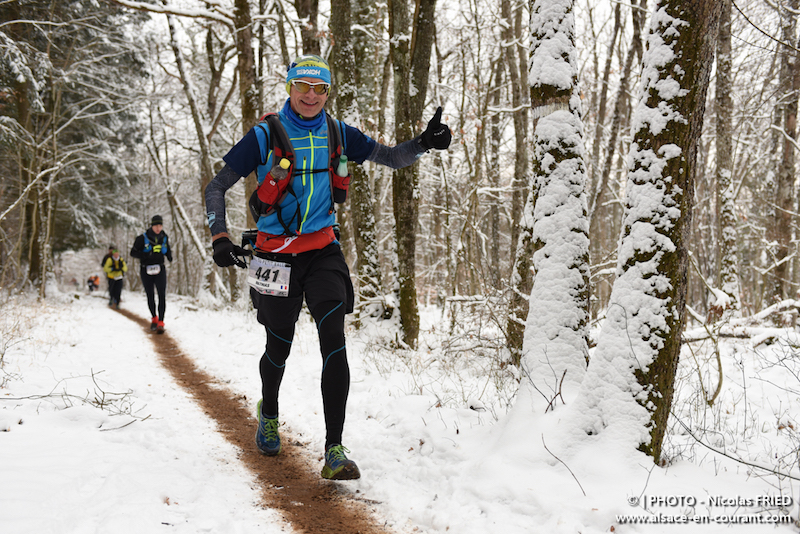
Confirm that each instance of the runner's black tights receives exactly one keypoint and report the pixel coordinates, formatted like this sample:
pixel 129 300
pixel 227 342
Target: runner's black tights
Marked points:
pixel 329 317
pixel 157 283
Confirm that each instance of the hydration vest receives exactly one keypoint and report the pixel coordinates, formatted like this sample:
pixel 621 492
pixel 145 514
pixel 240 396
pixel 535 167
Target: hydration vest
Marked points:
pixel 148 246
pixel 281 147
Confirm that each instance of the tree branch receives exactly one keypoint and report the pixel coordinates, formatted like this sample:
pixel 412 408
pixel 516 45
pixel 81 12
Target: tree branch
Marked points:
pixel 218 14
pixel 739 460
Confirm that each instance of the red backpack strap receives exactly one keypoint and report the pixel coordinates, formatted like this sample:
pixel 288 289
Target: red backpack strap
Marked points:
pixel 270 193
pixel 278 138
pixel 281 146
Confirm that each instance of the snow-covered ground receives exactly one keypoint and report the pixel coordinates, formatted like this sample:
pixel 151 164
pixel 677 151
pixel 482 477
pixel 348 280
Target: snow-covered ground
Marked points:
pixel 96 437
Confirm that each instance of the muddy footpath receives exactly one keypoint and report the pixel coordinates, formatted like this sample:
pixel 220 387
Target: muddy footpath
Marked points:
pixel 290 483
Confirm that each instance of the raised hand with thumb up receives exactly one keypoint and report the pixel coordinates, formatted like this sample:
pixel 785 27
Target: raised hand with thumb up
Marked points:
pixel 436 135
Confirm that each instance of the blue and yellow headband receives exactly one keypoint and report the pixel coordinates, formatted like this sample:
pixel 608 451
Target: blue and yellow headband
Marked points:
pixel 308 67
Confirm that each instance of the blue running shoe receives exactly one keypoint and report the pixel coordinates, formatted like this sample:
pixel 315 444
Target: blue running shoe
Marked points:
pixel 337 466
pixel 268 440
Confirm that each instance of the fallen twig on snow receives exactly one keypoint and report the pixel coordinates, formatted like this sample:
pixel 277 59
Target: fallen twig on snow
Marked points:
pixel 739 460
pixel 565 465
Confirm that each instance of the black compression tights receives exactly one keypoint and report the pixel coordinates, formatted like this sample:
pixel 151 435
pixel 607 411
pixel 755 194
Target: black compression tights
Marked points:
pixel 152 284
pixel 329 317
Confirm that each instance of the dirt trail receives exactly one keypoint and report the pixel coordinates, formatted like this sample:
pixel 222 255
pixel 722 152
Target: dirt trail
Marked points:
pixel 290 482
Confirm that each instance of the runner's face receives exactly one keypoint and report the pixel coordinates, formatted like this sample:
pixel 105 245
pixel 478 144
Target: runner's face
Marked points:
pixel 308 104
pixel 157 228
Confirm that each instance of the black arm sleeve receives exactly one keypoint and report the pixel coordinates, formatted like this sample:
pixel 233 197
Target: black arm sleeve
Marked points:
pixel 215 199
pixel 399 156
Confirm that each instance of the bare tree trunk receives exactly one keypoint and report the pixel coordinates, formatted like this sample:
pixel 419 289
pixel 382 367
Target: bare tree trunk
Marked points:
pixel 516 60
pixel 466 261
pixel 601 108
pixel 32 225
pixel 781 234
pixel 262 52
pixel 520 279
pixel 206 172
pixel 411 62
pixel 248 92
pixel 635 50
pixel 47 250
pixel 282 32
pixel 308 10
pixel 495 268
pixel 28 204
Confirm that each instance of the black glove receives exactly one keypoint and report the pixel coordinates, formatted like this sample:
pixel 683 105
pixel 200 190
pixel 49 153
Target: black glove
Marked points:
pixel 227 254
pixel 436 135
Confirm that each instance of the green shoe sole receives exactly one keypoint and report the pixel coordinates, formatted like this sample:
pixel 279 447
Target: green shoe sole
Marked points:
pixel 345 472
pixel 269 453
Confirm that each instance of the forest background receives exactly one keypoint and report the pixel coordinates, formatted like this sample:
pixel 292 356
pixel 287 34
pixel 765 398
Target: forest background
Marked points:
pixel 113 111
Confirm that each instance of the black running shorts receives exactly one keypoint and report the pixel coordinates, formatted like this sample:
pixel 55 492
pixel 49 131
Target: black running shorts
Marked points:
pixel 318 275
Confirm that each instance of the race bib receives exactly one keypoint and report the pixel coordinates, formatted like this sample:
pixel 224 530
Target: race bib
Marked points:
pixel 154 269
pixel 269 277
pixel 118 276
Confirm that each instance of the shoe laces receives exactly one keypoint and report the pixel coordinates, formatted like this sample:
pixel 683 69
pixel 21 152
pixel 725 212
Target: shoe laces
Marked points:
pixel 269 427
pixel 336 453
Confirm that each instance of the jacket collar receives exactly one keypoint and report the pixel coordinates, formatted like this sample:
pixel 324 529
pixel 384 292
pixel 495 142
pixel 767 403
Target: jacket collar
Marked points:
pixel 306 124
pixel 152 235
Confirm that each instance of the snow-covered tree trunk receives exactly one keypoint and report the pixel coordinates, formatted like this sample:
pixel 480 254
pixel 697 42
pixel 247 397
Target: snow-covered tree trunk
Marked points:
pixel 627 392
pixel 343 63
pixel 727 271
pixel 555 341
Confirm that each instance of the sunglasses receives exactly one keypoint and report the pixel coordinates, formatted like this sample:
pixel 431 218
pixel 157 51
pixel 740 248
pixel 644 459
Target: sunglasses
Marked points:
pixel 320 88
